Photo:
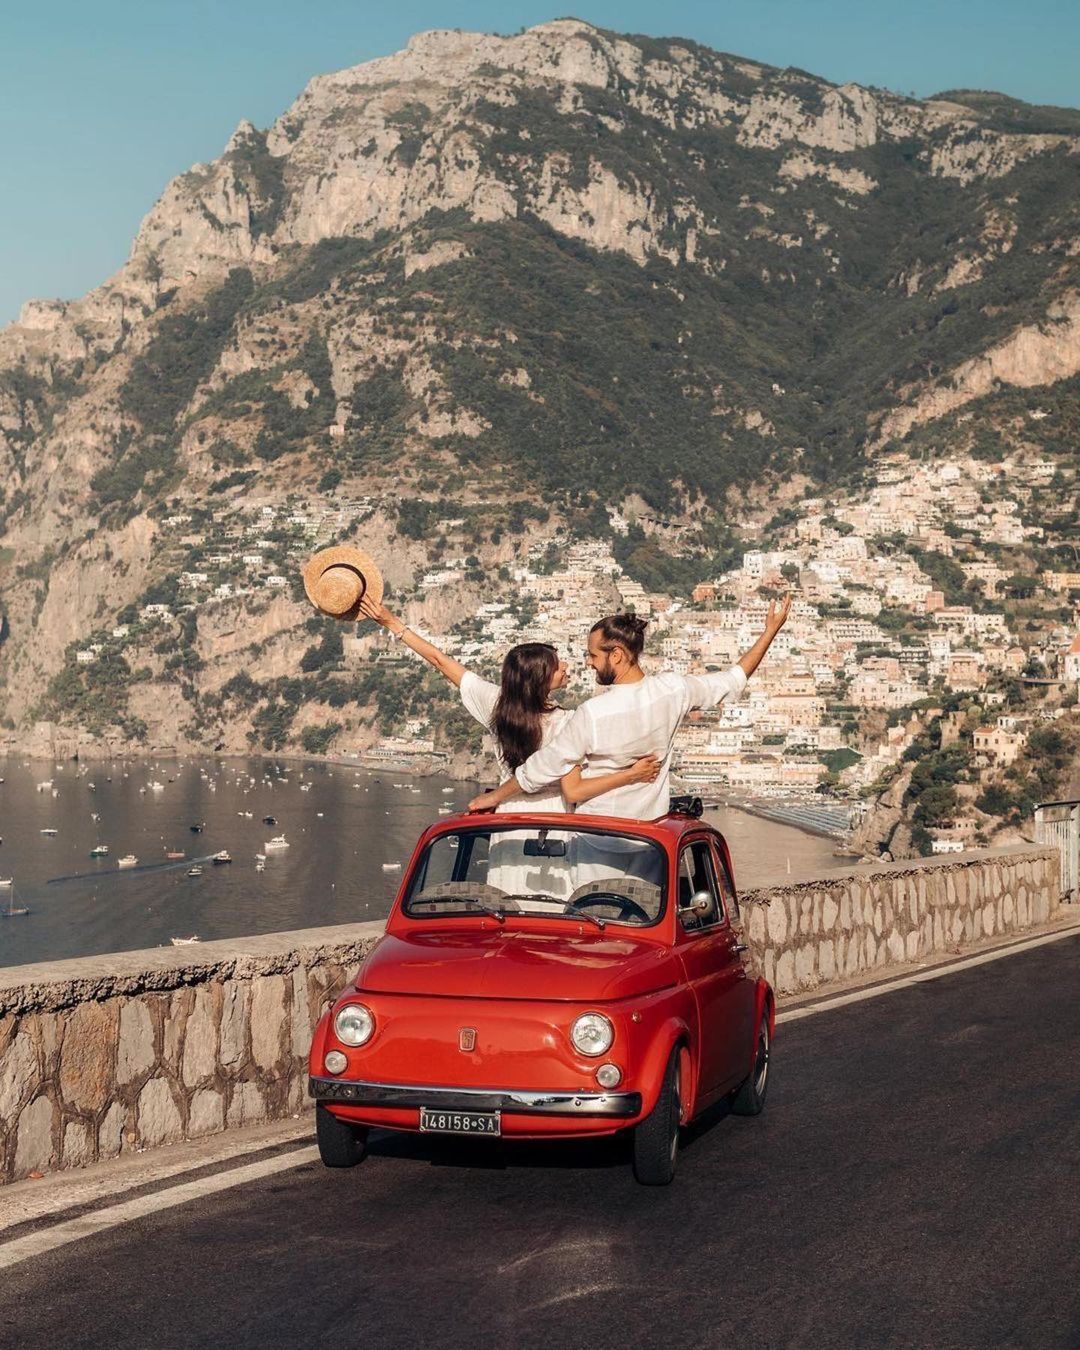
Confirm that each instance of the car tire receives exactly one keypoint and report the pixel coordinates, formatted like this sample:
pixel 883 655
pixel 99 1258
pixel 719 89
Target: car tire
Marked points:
pixel 656 1139
pixel 340 1144
pixel 749 1099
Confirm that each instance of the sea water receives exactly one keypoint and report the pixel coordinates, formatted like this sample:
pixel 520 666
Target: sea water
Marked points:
pixel 342 824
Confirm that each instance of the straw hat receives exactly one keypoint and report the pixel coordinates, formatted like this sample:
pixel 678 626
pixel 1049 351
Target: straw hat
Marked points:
pixel 337 579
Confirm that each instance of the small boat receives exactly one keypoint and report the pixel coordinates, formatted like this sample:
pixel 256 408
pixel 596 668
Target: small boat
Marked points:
pixel 44 785
pixel 197 829
pixel 128 860
pixel 391 867
pixel 13 911
pixel 173 854
pixel 194 871
pixel 6 881
pixel 278 841
pixel 48 831
pixel 445 811
pixel 446 791
pixel 260 867
pixel 91 786
pixel 260 857
pixel 269 820
pixel 184 942
pixel 94 815
pixel 223 857
pixel 100 851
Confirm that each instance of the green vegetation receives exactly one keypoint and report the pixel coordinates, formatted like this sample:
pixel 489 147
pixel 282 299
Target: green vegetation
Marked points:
pixel 1003 113
pixel 836 761
pixel 182 353
pixel 316 740
pixel 94 695
pixel 261 174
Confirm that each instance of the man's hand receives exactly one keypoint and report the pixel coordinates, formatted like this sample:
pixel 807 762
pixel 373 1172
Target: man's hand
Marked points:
pixel 777 615
pixel 774 621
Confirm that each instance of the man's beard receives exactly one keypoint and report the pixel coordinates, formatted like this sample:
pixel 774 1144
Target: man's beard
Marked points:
pixel 604 674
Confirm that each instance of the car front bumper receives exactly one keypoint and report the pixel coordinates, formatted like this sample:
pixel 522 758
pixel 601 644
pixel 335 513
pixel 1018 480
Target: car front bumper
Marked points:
pixel 579 1104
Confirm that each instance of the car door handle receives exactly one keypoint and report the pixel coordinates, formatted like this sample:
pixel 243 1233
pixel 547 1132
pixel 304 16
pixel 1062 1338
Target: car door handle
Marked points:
pixel 741 947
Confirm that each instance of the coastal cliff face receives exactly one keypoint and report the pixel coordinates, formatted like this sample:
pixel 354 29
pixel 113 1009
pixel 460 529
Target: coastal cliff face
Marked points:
pixel 562 267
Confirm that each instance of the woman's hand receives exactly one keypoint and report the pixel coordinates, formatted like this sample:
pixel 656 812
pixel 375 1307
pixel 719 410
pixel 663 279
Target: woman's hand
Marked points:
pixel 487 801
pixel 644 770
pixel 378 612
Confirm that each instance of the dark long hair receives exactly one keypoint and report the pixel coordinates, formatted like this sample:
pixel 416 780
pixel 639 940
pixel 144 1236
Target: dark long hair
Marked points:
pixel 517 721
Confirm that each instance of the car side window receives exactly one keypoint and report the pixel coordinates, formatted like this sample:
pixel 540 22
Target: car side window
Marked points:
pixel 697 875
pixel 728 899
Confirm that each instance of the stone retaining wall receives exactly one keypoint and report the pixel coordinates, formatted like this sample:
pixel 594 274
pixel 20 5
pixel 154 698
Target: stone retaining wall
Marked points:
pixel 848 922
pixel 112 1053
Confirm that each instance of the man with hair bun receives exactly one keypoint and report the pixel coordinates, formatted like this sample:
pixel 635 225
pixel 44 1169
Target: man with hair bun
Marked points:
pixel 636 715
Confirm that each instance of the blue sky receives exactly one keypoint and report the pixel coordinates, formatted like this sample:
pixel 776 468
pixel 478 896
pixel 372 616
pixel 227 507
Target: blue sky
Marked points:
pixel 101 104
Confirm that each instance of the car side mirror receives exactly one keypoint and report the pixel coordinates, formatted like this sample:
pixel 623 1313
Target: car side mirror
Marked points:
pixel 700 903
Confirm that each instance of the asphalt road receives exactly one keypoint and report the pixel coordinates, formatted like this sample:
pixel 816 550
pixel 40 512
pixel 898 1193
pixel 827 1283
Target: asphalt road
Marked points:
pixel 914 1181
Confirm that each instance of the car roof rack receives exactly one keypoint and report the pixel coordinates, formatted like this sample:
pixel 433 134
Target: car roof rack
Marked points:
pixel 686 806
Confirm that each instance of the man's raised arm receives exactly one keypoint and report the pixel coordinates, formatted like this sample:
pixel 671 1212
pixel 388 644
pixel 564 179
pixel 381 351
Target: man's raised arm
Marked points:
pixel 706 691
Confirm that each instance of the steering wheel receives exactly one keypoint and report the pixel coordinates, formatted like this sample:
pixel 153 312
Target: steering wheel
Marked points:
pixel 628 909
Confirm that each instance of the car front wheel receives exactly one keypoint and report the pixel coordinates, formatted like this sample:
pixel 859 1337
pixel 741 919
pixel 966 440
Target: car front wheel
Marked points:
pixel 656 1139
pixel 340 1144
pixel 749 1100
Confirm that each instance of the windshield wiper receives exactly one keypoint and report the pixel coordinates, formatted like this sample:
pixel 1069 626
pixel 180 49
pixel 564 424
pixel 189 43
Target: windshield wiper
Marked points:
pixel 499 914
pixel 564 914
pixel 584 914
pixel 560 914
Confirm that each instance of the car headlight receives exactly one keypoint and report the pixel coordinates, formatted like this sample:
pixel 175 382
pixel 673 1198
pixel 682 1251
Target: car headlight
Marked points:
pixel 592 1034
pixel 354 1024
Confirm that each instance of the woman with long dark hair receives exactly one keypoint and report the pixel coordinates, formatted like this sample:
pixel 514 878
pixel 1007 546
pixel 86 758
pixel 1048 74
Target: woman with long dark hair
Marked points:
pixel 520 714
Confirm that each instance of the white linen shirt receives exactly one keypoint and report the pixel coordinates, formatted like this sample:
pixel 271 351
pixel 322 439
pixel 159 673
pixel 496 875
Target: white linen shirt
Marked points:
pixel 479 697
pixel 612 729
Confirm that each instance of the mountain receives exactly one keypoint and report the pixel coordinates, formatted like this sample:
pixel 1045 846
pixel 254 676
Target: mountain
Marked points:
pixel 524 276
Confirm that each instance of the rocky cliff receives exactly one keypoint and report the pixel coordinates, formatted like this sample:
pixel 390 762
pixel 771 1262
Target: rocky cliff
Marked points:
pixel 565 265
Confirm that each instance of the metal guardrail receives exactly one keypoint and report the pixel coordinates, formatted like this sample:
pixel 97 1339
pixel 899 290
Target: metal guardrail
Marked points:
pixel 1058 824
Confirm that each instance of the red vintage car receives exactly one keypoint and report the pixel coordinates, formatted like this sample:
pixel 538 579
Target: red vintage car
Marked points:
pixel 550 977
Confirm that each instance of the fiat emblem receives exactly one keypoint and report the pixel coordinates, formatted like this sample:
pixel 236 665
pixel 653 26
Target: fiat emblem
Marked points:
pixel 467 1039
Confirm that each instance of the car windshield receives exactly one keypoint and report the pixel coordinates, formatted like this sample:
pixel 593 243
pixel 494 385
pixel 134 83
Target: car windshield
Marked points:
pixel 575 874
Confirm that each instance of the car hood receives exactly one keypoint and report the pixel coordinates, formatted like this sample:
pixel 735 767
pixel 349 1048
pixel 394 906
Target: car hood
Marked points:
pixel 513 964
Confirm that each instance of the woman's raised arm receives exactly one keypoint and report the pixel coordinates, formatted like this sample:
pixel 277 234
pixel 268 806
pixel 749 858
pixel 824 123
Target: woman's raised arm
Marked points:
pixel 445 665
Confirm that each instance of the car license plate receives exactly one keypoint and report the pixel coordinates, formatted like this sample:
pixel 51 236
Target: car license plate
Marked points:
pixel 459 1122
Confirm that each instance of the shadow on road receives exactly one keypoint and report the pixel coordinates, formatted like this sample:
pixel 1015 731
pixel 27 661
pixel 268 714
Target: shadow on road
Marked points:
pixel 504 1154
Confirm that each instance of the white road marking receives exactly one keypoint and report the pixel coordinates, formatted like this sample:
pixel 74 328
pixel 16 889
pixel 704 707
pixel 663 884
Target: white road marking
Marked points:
pixel 921 977
pixel 27 1201
pixel 98 1221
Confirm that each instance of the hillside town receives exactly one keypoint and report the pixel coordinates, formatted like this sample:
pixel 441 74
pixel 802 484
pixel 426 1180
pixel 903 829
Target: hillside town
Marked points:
pixel 908 607
pixel 879 643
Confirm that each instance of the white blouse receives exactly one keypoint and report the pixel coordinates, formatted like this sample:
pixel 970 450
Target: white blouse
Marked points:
pixel 479 698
